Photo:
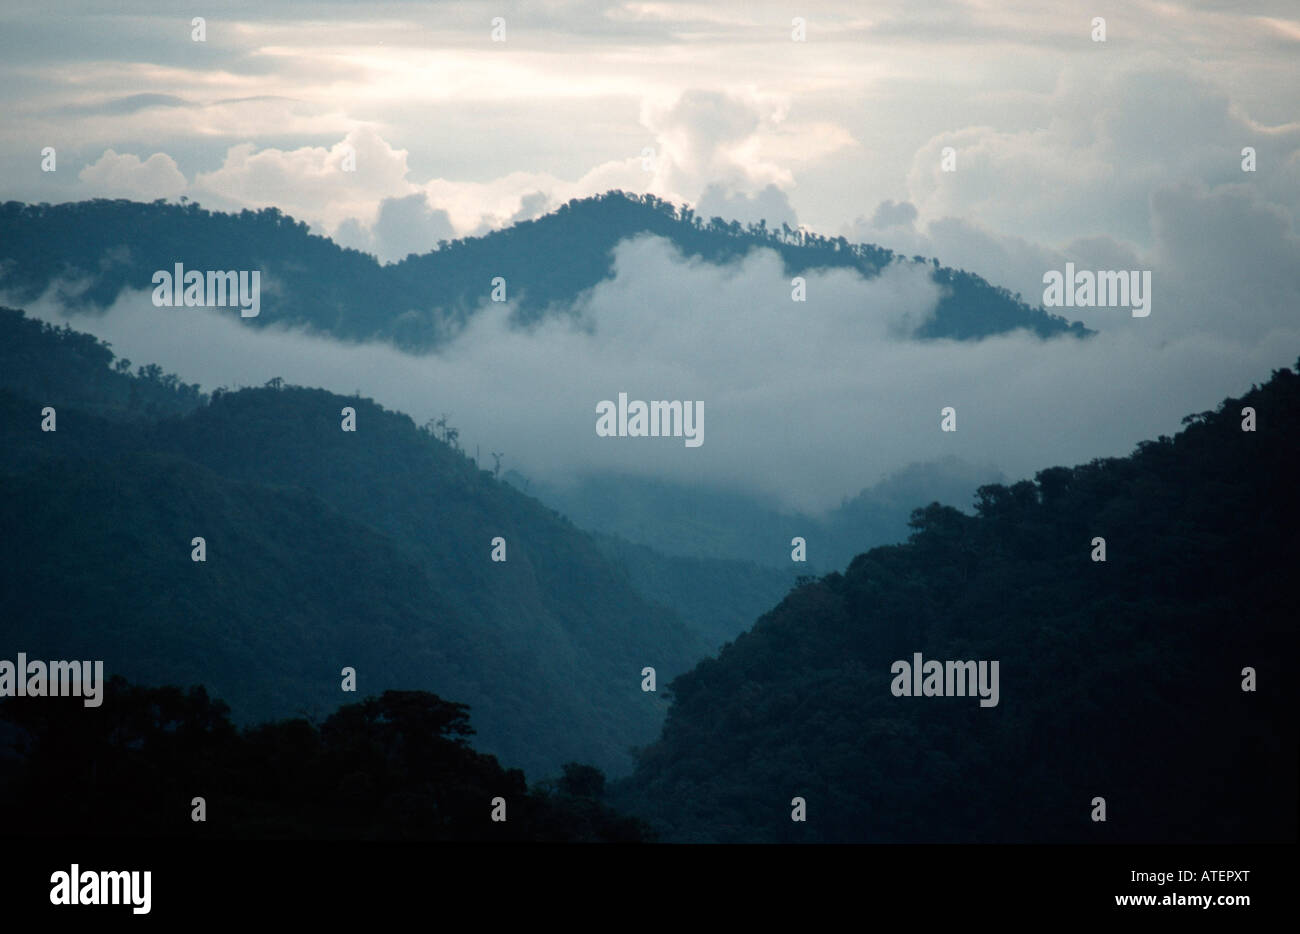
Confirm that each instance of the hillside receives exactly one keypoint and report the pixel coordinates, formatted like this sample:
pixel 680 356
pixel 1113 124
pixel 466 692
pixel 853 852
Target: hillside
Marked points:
pixel 1120 679
pixel 719 599
pixel 60 365
pixel 325 549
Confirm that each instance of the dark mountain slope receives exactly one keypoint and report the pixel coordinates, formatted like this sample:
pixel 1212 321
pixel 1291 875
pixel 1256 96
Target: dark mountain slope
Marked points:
pixel 1120 679
pixel 716 598
pixel 62 367
pixel 96 564
pixel 323 545
pixel 433 501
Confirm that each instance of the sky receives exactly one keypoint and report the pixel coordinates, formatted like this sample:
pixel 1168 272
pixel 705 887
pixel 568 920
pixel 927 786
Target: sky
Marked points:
pixel 738 114
pixel 1122 154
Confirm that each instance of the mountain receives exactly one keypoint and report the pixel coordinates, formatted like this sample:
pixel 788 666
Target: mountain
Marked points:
pixel 678 519
pixel 90 251
pixel 1123 679
pixel 879 514
pixel 709 524
pixel 325 549
pixel 717 598
pixel 77 369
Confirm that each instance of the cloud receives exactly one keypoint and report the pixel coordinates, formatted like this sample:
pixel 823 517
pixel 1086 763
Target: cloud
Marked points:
pixel 893 214
pixel 714 138
pixel 805 403
pixel 312 183
pixel 708 148
pixel 131 103
pixel 531 207
pixel 1059 138
pixel 770 204
pixel 1227 263
pixel 1223 260
pixel 125 176
pixel 1066 152
pixel 1084 172
pixel 1012 262
pixel 1090 168
pixel 405 225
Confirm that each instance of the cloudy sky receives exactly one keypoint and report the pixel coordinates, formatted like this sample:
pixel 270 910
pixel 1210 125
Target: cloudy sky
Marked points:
pixel 1058 137
pixel 1123 154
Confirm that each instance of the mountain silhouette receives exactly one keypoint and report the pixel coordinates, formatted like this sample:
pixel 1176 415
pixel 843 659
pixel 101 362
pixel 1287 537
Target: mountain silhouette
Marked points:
pixel 89 251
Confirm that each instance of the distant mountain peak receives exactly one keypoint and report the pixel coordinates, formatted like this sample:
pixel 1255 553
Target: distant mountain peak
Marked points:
pixel 550 262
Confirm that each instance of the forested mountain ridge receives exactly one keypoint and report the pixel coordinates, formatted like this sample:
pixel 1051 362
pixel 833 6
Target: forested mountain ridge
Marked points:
pixel 324 549
pixel 92 250
pixel 1121 679
pixel 68 367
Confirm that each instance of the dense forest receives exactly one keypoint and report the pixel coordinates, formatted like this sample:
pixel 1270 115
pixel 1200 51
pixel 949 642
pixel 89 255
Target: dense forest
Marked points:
pixel 1121 679
pixel 325 549
pixel 394 767
pixel 90 251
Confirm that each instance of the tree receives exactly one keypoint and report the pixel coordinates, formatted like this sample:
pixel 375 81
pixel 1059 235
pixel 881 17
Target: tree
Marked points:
pixel 582 781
